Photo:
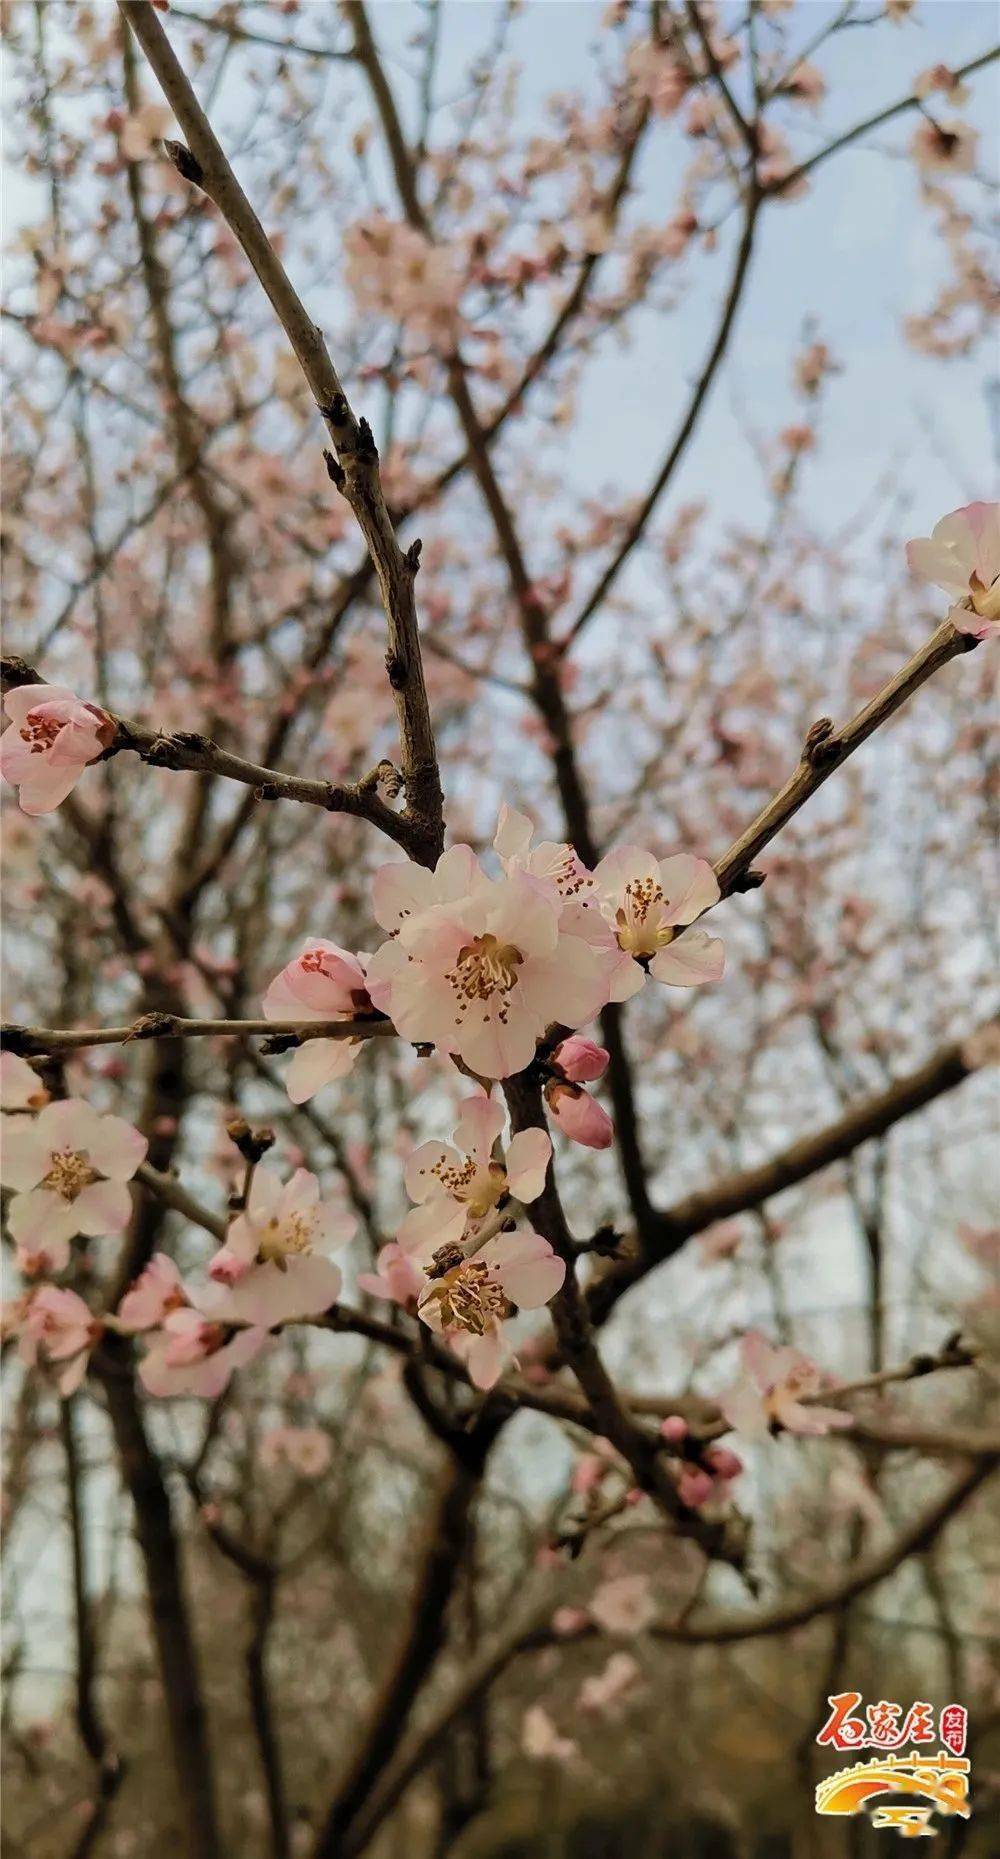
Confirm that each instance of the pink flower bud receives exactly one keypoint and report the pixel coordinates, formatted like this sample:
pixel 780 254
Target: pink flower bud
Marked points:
pixel 723 1463
pixel 579 1117
pixel 674 1428
pixel 694 1486
pixel 582 1060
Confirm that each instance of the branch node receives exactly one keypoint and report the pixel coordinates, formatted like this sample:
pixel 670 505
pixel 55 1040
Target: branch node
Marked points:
pixel 820 744
pixel 335 471
pixel 182 159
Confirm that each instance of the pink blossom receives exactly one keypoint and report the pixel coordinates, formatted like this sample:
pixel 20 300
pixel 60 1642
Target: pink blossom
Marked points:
pixel 541 1740
pixel 193 1355
pixel 20 1087
pixel 945 148
pixel 587 1474
pixel 393 270
pixel 578 1115
pixel 551 860
pixel 484 973
pixel 771 1390
pixel 962 556
pixel 468 1302
pixel 623 1605
pixel 694 1486
pixel 805 83
pixel 607 1688
pixel 68 1167
pixel 648 903
pixel 57 1327
pixel 53 734
pixel 322 983
pixel 723 1463
pixel 456 1188
pixel 157 1290
pixel 567 1622
pixel 270 1270
pixel 397 1278
pixel 581 1060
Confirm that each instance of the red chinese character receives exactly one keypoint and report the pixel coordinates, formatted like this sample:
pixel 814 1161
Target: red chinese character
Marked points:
pixel 919 1725
pixel 954 1722
pixel 883 1725
pixel 840 1728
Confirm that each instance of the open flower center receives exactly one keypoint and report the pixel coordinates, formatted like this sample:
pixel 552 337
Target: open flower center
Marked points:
pixel 40 731
pixel 468 1298
pixel 69 1173
pixel 284 1238
pixel 485 969
pixel 478 1188
pixel 639 918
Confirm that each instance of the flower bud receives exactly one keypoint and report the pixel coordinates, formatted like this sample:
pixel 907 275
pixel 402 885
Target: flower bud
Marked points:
pixel 582 1060
pixel 579 1117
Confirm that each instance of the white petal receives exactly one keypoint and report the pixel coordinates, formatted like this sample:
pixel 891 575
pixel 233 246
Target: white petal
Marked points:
pixel 689 960
pixel 689 887
pixel 439 1222
pixel 104 1207
pixel 116 1148
pixel 24 1153
pixel 317 1063
pixel 528 1155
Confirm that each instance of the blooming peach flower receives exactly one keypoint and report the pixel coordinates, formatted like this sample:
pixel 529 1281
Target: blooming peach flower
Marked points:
pixel 157 1290
pixel 194 1355
pixel 20 1087
pixel 805 83
pixel 945 148
pixel 394 270
pixel 578 1115
pixel 68 1167
pixel 53 734
pixel 469 1301
pixel 648 902
pixel 322 983
pixel 771 1388
pixel 270 1265
pixel 962 556
pixel 623 1605
pixel 58 1328
pixel 581 1060
pixel 456 1188
pixel 396 1278
pixel 552 860
pixel 484 974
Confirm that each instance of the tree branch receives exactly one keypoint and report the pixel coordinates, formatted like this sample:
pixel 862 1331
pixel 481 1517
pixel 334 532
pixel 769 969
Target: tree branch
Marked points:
pixel 355 467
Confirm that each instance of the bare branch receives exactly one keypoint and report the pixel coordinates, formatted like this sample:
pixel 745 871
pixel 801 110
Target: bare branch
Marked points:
pixel 355 467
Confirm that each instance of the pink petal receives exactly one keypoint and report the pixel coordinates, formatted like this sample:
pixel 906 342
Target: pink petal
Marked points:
pixel 689 887
pixel 691 959
pixel 480 1123
pixel 116 1148
pixel 528 1156
pixel 317 1063
pixel 104 1207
